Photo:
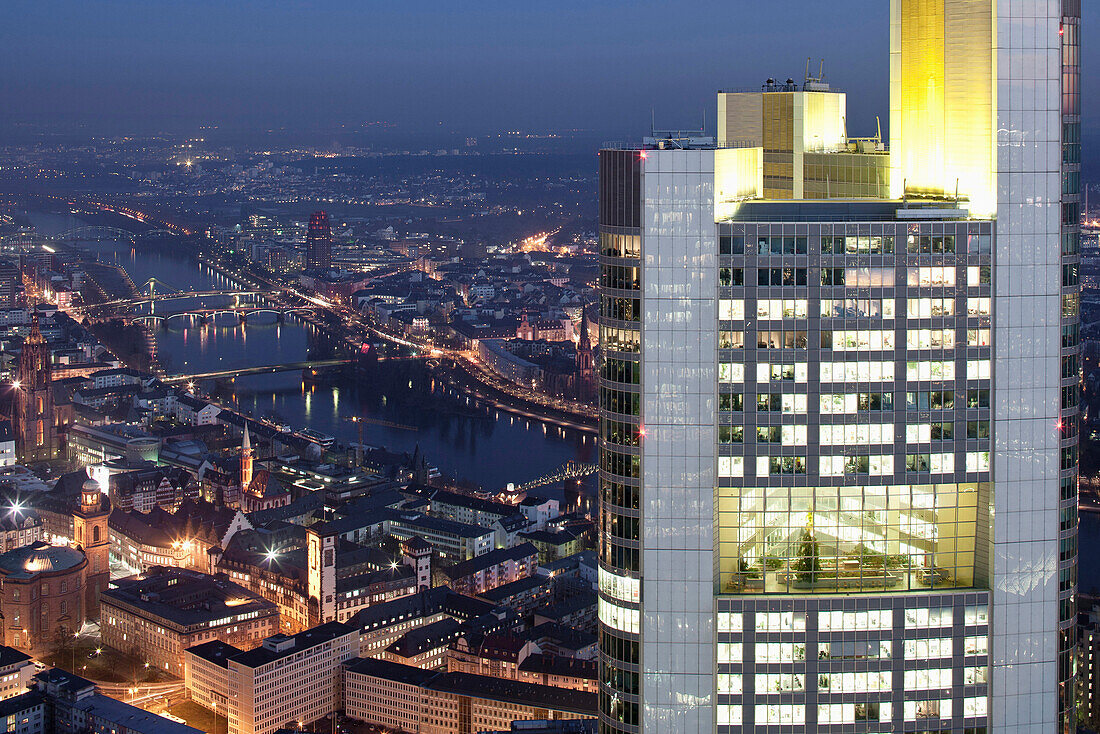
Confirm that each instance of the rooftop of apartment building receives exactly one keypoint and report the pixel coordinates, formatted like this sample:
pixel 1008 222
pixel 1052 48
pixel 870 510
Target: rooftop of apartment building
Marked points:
pixel 422 604
pixel 490 559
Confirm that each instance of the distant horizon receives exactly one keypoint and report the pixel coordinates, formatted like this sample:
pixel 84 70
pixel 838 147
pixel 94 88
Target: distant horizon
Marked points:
pixel 256 68
pixel 139 67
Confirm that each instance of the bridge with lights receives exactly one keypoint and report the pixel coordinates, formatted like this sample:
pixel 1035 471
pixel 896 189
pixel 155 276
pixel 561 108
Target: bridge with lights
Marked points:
pixel 565 472
pixel 175 296
pixel 310 365
pixel 306 367
pixel 210 315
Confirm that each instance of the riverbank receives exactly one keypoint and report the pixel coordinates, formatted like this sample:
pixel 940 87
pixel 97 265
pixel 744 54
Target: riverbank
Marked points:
pixel 461 377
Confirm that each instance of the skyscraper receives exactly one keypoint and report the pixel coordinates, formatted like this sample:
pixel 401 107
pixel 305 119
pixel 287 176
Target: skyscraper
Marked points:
pixel 319 242
pixel 839 458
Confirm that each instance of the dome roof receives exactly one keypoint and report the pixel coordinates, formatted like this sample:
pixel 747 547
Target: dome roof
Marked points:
pixel 90 485
pixel 39 557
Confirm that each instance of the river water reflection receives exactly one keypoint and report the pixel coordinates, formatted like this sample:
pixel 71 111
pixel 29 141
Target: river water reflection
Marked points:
pixel 462 439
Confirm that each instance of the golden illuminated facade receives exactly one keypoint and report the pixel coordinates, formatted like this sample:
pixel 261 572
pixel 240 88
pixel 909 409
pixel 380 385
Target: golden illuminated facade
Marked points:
pixel 943 89
pixel 801 133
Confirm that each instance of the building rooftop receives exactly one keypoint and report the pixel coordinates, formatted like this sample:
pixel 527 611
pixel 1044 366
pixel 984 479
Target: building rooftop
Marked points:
pixel 421 604
pixel 501 593
pixel 20 703
pixel 566 607
pixel 215 651
pixel 396 672
pixel 402 573
pixel 558 665
pixel 281 646
pixel 550 537
pixel 187 598
pixel 490 559
pixel 563 637
pixel 481 686
pixel 427 637
pixel 475 504
pixel 131 719
pixel 436 524
pixel 11 656
pixel 39 557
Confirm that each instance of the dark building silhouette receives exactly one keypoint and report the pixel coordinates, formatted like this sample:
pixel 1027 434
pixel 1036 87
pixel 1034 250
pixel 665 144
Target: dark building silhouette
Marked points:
pixel 319 242
pixel 33 415
pixel 586 362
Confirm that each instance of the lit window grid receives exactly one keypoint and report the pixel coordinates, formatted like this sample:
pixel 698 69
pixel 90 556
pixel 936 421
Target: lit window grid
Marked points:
pixel 973 302
pixel 770 659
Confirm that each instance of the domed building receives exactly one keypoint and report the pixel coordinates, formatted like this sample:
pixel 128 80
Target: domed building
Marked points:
pixel 42 594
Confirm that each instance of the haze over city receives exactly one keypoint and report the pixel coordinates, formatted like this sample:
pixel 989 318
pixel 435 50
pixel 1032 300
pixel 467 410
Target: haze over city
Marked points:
pixel 475 68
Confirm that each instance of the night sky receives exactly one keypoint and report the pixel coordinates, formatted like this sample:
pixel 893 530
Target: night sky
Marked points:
pixel 122 66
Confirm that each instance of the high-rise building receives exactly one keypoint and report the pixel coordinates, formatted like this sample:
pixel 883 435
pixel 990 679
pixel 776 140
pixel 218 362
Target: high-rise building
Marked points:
pixel 319 242
pixel 838 473
pixel 11 282
pixel 33 414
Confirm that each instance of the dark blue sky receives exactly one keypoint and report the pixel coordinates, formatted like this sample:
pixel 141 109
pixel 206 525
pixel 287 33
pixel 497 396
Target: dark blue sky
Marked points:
pixel 474 65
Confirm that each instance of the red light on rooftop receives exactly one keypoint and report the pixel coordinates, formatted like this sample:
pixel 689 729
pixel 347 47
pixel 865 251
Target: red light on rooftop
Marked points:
pixel 642 154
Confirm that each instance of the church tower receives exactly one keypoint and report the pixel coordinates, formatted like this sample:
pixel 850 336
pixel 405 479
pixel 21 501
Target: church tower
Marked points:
pixel 90 533
pixel 586 361
pixel 33 414
pixel 246 461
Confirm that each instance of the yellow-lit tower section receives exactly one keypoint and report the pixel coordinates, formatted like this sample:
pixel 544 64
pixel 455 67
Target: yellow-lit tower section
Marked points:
pixel 943 101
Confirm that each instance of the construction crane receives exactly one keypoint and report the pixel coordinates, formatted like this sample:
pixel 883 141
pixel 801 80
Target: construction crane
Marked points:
pixel 359 420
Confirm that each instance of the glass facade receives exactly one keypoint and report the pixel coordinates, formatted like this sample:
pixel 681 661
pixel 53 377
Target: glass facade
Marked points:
pixel 855 455
pixel 838 457
pixel 620 428
pixel 1070 34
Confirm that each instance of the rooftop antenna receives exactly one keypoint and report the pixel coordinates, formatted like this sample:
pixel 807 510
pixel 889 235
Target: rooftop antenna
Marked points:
pixel 878 125
pixel 956 193
pixel 652 122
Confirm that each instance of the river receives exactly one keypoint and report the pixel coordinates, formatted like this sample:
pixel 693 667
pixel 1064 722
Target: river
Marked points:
pixel 464 440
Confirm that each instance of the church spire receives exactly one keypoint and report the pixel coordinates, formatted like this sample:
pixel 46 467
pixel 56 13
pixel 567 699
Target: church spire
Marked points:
pixel 246 460
pixel 583 342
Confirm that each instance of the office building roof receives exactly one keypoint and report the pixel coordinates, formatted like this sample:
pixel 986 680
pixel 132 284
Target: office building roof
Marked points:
pixel 281 646
pixel 215 651
pixel 187 598
pixel 481 686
